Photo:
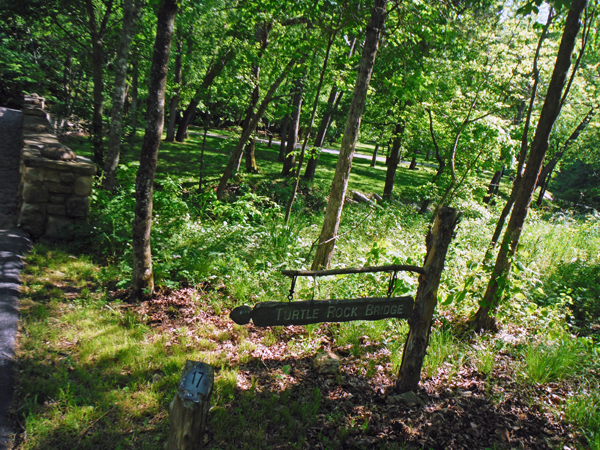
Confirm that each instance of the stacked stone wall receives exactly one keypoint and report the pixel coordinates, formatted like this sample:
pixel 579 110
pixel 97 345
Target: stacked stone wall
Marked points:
pixel 54 194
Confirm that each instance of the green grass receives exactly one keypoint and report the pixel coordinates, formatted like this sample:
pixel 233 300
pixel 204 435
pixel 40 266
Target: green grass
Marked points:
pixel 584 410
pixel 554 360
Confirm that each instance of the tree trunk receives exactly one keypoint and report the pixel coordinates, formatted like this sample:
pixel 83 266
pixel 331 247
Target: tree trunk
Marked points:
pixel 545 180
pixel 98 76
pixel 413 163
pixel 131 15
pixel 288 209
pixel 438 155
pixel 292 138
pixel 213 71
pixel 133 111
pixel 201 175
pixel 311 165
pixel 246 133
pixel 438 240
pixel 547 170
pixel 261 34
pixel 394 160
pixel 174 104
pixel 494 185
pixel 251 166
pixel 483 320
pixel 284 130
pixel 143 277
pixel 97 34
pixel 333 103
pixel 339 185
pixel 374 158
pixel 334 94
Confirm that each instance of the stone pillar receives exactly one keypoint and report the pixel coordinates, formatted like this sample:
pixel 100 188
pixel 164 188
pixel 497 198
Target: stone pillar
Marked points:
pixel 55 187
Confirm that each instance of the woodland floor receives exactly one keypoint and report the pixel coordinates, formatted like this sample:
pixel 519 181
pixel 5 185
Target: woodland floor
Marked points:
pixel 462 409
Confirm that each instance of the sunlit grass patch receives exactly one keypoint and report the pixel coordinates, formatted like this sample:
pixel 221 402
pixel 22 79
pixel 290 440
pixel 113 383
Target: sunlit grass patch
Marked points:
pixel 554 360
pixel 443 348
pixel 584 410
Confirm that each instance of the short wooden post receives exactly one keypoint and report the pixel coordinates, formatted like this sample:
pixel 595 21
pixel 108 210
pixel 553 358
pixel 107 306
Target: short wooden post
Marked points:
pixel 189 408
pixel 438 240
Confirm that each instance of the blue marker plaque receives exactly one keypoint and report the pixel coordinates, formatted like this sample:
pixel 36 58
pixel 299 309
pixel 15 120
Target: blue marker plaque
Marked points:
pixel 198 379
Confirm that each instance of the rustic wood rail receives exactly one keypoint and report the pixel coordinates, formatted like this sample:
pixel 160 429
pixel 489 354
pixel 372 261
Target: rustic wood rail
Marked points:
pixel 324 273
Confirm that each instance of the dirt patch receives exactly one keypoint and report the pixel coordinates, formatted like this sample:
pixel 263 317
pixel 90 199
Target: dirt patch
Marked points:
pixel 358 407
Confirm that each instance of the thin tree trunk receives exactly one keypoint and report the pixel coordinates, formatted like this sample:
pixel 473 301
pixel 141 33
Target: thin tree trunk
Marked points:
pixel 438 240
pixel 292 138
pixel 334 95
pixel 143 277
pixel 339 185
pixel 68 81
pixel 483 320
pixel 246 134
pixel 282 144
pixel 201 176
pixel 213 71
pixel 438 155
pixel 544 183
pixel 261 34
pixel 494 185
pixel 311 165
pixel 524 141
pixel 133 111
pixel 251 166
pixel 98 76
pixel 97 33
pixel 174 104
pixel 288 210
pixel 413 163
pixel 333 104
pixel 374 158
pixel 131 15
pixel 547 170
pixel 394 160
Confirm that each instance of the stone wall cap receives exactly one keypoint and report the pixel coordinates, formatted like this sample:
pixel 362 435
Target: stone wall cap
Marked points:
pixel 81 165
pixel 57 152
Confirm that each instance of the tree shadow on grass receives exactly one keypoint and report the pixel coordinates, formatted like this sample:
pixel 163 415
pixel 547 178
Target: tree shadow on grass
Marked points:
pixel 287 404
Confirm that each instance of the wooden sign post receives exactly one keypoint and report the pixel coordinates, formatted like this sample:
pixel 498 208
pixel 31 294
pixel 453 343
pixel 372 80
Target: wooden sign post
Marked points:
pixel 189 408
pixel 268 314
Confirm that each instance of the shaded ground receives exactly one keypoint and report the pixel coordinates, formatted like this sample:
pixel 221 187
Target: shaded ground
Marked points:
pixel 357 408
pixel 13 244
pixel 10 135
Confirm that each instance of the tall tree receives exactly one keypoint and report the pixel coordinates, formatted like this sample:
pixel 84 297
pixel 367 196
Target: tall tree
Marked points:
pixel 237 152
pixel 143 277
pixel 294 124
pixel 216 66
pixel 548 168
pixel 394 159
pixel 339 185
pixel 98 32
pixel 261 35
pixel 333 103
pixel 483 318
pixel 131 15
pixel 174 103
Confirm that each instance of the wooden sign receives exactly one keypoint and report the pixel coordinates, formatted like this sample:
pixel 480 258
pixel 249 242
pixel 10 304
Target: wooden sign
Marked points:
pixel 268 314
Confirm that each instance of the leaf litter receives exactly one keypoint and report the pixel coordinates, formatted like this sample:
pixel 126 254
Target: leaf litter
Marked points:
pixel 461 408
